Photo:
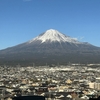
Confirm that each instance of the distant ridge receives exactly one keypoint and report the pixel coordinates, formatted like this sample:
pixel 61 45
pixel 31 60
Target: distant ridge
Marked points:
pixel 50 47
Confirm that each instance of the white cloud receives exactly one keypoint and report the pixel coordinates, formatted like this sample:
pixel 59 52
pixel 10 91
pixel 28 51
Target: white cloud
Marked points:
pixel 75 38
pixel 79 38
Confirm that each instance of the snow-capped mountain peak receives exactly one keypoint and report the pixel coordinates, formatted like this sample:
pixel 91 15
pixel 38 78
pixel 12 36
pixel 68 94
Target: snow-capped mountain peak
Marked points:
pixel 51 47
pixel 54 36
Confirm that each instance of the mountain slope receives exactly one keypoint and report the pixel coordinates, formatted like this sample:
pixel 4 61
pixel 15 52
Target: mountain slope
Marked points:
pixel 51 47
pixel 53 36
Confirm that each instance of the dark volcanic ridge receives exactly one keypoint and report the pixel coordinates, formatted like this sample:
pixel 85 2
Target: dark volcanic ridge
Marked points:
pixel 50 47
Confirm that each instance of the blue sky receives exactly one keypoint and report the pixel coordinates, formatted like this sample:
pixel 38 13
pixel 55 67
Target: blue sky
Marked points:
pixel 22 20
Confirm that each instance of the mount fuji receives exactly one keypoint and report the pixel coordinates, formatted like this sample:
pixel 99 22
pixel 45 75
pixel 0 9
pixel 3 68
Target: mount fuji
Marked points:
pixel 50 47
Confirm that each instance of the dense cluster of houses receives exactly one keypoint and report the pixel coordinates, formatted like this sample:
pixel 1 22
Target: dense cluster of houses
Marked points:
pixel 54 83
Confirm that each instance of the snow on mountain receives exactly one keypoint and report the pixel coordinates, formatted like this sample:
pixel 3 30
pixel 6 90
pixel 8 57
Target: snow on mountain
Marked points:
pixel 51 47
pixel 54 36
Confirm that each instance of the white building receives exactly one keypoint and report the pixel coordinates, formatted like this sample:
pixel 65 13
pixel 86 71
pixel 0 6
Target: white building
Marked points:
pixel 97 86
pixel 91 85
pixel 94 85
